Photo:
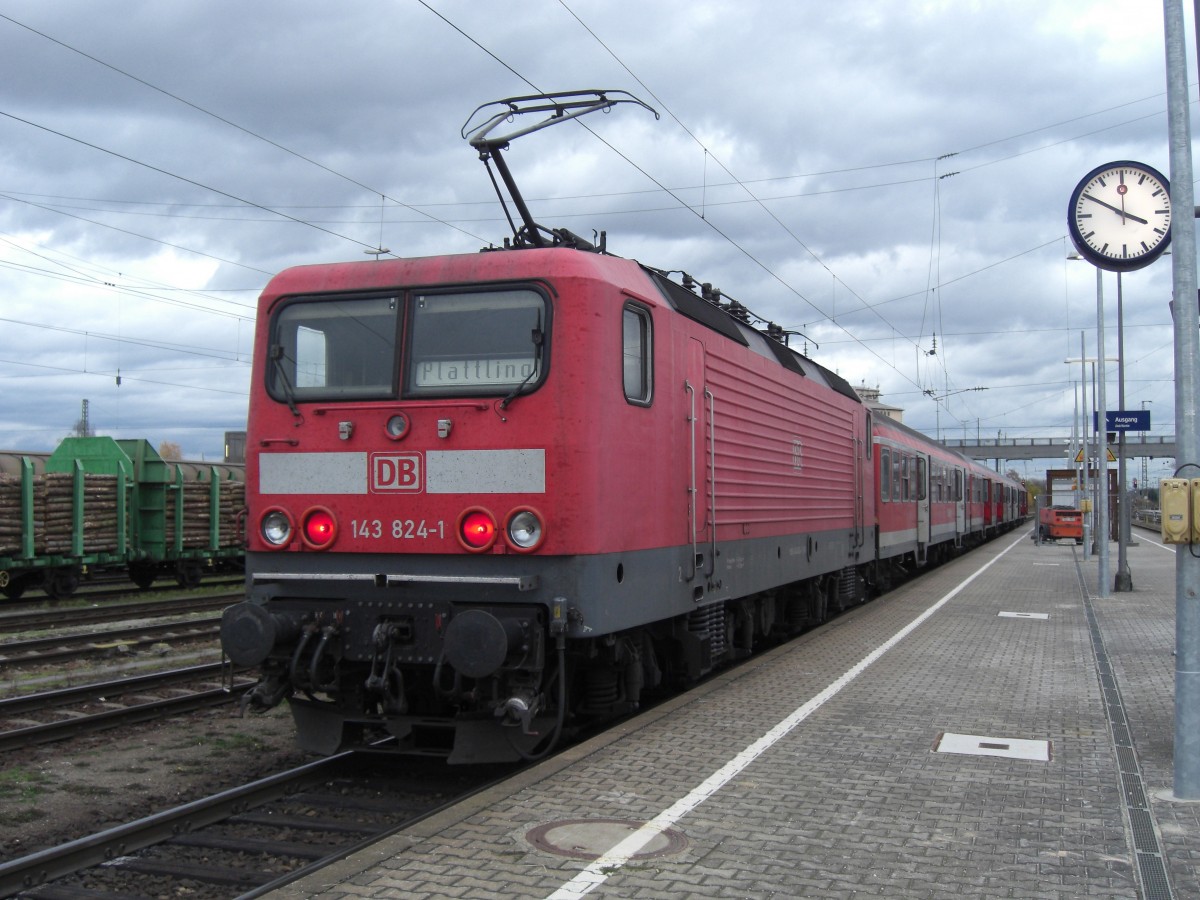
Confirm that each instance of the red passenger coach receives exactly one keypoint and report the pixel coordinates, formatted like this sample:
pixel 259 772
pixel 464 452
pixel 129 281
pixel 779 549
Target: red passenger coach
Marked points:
pixel 932 501
pixel 495 497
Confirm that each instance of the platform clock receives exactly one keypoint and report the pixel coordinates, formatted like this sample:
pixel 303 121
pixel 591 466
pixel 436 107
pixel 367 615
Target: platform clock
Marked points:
pixel 1120 216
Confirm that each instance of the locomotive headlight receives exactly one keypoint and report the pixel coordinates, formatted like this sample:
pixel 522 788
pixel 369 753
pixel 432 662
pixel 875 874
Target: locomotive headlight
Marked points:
pixel 320 528
pixel 477 530
pixel 397 426
pixel 525 531
pixel 276 528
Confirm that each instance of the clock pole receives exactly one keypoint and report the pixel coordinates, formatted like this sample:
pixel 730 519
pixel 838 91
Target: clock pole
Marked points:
pixel 1124 579
pixel 1101 532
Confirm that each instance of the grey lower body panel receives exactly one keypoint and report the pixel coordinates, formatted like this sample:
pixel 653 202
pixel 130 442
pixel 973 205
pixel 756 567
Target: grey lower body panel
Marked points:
pixel 607 592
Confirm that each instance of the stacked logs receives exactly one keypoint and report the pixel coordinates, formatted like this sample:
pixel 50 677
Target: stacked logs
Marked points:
pixel 197 513
pixel 53 519
pixel 53 514
pixel 10 525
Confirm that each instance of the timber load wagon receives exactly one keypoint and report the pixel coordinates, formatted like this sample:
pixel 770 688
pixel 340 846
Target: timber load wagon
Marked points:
pixel 98 504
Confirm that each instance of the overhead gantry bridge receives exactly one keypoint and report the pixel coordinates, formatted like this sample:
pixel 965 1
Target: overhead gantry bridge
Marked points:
pixel 1137 446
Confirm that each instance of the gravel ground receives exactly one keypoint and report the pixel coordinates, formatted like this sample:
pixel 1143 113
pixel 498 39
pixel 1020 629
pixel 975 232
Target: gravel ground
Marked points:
pixel 69 789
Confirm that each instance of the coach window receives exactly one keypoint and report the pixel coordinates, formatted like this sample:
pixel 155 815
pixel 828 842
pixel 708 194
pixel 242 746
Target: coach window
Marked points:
pixel 637 356
pixel 922 489
pixel 905 492
pixel 896 475
pixel 885 474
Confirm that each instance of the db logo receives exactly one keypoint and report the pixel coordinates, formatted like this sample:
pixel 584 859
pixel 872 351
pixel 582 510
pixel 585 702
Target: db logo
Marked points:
pixel 395 472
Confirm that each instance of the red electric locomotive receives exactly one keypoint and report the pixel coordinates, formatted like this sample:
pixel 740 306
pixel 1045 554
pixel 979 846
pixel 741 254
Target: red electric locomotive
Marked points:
pixel 494 496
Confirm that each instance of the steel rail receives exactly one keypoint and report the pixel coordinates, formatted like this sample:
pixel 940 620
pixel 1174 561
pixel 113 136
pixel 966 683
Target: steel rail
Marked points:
pixel 59 647
pixel 92 615
pixel 185 826
pixel 48 732
pixel 28 872
pixel 96 690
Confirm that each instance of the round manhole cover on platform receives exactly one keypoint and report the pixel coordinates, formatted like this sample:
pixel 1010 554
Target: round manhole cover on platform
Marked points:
pixel 592 838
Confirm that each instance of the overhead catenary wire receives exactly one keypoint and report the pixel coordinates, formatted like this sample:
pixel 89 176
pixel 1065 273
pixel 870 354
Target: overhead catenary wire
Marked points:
pixel 846 311
pixel 230 123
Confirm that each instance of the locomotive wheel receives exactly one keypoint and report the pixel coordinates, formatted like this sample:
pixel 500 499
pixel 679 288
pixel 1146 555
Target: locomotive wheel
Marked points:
pixel 14 589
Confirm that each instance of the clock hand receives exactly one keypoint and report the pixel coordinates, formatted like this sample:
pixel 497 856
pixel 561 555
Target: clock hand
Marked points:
pixel 1120 212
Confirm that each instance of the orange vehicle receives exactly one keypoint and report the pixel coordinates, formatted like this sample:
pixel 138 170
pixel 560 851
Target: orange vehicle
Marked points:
pixel 1060 522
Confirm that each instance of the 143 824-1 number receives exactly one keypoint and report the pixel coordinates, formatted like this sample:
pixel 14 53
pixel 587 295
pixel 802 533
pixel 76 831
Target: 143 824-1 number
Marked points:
pixel 399 529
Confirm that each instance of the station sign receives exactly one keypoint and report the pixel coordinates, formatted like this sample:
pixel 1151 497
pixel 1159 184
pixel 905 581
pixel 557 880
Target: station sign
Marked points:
pixel 1123 420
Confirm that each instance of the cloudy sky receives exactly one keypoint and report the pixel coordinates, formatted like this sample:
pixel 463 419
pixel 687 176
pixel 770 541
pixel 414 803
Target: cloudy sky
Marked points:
pixel 890 178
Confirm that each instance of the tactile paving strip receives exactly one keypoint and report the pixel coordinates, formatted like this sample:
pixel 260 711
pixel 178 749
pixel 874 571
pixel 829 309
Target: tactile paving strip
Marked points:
pixel 1152 871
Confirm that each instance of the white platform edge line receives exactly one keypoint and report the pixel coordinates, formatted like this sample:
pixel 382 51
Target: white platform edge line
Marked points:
pixel 600 869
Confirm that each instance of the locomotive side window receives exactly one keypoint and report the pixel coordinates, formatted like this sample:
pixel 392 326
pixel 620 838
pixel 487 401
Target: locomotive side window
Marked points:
pixel 637 357
pixel 334 349
pixel 482 342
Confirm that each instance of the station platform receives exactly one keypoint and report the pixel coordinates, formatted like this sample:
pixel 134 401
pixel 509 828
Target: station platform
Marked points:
pixel 995 728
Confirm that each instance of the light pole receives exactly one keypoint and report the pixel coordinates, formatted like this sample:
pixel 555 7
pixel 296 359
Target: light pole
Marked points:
pixel 1145 458
pixel 1102 443
pixel 1187 397
pixel 1099 529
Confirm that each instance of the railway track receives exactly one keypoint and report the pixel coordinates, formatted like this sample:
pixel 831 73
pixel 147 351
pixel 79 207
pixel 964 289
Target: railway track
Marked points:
pixel 42 718
pixel 36 619
pixel 250 840
pixel 61 648
pixel 102 589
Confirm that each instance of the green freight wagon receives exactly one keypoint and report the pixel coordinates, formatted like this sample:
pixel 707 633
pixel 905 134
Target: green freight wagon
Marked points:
pixel 115 505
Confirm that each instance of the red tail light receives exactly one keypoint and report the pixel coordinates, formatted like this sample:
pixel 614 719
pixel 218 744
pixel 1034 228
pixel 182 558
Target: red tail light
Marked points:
pixel 477 530
pixel 320 528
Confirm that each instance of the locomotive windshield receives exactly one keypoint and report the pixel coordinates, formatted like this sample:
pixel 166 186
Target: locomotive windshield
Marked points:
pixel 458 344
pixel 335 349
pixel 477 343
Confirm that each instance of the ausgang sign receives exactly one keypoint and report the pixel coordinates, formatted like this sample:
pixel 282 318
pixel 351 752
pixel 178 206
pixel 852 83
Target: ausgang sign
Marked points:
pixel 1123 420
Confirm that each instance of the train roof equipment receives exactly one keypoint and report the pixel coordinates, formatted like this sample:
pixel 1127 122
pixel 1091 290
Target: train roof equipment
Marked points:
pixel 563 106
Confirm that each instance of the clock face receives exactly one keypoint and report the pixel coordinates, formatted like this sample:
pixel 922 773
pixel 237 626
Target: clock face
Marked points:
pixel 1120 216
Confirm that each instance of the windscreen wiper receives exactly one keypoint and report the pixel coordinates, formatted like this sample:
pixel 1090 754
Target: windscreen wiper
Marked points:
pixel 538 339
pixel 289 394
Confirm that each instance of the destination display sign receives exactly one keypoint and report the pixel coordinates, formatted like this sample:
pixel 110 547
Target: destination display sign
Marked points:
pixel 1123 420
pixel 473 372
